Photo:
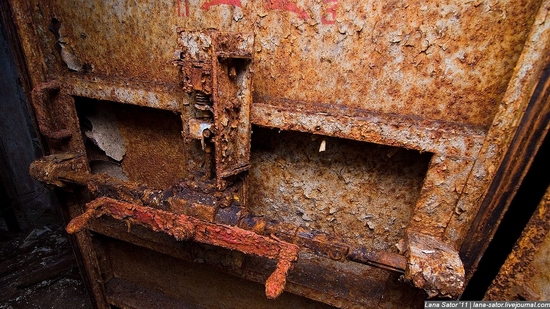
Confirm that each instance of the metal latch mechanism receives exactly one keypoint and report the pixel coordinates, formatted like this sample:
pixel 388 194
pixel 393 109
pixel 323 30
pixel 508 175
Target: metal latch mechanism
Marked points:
pixel 191 215
pixel 217 76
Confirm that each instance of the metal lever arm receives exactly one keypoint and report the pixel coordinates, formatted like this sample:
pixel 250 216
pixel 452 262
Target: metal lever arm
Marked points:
pixel 183 227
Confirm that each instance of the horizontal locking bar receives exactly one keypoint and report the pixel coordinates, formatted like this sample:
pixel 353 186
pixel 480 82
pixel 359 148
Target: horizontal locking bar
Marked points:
pixel 183 227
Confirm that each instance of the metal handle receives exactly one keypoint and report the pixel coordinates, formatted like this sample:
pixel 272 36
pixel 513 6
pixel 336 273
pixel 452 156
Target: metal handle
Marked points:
pixel 183 227
pixel 44 121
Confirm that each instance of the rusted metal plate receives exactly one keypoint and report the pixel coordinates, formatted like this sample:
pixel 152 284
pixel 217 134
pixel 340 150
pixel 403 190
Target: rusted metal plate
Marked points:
pixel 152 157
pixel 447 61
pixel 363 193
pixel 518 130
pixel 428 59
pixel 525 274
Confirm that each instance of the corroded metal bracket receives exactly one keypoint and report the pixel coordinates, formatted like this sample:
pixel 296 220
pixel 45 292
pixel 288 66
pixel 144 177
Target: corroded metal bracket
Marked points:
pixel 217 73
pixel 46 122
pixel 183 227
pixel 434 266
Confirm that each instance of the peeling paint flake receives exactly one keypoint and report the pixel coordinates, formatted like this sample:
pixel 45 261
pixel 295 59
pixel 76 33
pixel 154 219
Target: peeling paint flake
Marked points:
pixel 106 135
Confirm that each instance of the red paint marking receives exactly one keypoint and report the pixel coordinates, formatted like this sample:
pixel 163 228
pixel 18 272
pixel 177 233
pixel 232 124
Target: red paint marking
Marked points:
pixel 286 5
pixel 186 12
pixel 207 5
pixel 330 17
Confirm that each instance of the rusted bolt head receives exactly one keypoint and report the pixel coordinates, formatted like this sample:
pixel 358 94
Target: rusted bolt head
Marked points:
pixel 206 133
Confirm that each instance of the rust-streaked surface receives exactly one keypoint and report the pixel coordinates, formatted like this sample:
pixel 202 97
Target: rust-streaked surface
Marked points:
pixel 525 274
pixel 429 59
pixel 518 130
pixel 447 61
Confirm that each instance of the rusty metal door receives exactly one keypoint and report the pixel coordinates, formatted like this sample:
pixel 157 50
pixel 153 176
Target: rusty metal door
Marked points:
pixel 340 151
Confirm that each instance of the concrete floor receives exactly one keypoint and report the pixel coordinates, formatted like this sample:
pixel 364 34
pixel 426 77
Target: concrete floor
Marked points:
pixel 38 270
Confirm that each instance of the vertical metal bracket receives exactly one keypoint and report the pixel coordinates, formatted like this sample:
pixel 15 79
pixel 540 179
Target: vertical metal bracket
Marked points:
pixel 217 73
pixel 47 121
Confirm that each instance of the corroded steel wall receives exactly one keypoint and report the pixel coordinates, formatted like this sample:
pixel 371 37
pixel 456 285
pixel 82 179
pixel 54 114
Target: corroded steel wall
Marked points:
pixel 448 61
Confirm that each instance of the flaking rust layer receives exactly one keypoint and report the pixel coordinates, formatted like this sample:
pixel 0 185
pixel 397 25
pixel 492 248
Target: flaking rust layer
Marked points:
pixel 448 61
